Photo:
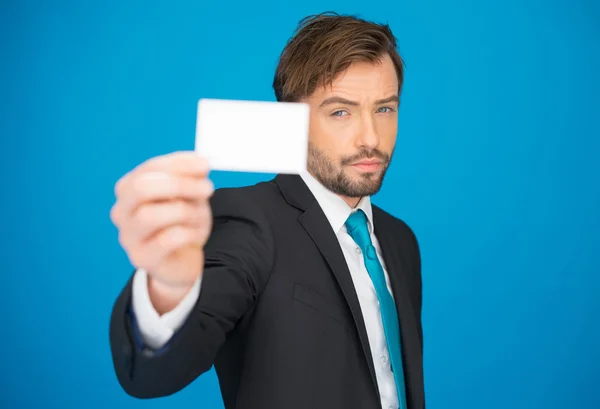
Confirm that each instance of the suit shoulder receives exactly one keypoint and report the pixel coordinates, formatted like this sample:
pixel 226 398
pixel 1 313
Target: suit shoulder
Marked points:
pixel 396 223
pixel 256 191
pixel 402 230
pixel 250 198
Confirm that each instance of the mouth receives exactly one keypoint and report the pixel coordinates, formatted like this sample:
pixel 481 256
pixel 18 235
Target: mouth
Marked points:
pixel 368 165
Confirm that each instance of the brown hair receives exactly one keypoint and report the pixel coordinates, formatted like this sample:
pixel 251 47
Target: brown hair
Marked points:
pixel 323 46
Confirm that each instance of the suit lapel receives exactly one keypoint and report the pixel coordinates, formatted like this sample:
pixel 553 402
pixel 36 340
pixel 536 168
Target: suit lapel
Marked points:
pixel 316 225
pixel 318 228
pixel 396 267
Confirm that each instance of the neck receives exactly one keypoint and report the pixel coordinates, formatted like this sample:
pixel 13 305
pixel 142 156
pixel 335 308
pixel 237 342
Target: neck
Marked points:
pixel 352 201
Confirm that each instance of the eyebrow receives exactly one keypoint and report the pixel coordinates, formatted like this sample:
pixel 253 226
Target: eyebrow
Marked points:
pixel 340 100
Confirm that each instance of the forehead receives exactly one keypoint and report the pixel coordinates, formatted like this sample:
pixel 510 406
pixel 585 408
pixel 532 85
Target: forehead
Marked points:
pixel 363 81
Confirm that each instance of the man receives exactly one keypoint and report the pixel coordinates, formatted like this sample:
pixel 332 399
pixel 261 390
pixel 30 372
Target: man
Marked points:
pixel 299 291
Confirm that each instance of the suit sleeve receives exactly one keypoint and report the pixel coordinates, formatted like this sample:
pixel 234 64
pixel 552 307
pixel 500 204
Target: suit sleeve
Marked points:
pixel 156 330
pixel 417 267
pixel 238 262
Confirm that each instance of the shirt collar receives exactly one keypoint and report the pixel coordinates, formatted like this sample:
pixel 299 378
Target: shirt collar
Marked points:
pixel 335 208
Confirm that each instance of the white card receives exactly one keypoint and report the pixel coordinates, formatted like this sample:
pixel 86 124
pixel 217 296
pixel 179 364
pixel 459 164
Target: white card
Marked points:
pixel 253 136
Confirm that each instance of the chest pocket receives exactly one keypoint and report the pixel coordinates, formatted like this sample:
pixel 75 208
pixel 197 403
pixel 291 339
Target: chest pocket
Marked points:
pixel 319 303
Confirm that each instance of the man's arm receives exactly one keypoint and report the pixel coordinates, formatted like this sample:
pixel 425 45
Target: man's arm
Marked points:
pixel 155 330
pixel 418 271
pixel 238 261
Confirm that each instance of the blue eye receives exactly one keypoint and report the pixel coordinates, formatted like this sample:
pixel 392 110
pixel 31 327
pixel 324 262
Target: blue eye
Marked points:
pixel 388 108
pixel 339 113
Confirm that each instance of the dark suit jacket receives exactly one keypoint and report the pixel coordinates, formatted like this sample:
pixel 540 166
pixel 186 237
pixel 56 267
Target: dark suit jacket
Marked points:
pixel 278 315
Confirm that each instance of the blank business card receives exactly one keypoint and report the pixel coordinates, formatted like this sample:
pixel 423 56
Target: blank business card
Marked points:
pixel 253 136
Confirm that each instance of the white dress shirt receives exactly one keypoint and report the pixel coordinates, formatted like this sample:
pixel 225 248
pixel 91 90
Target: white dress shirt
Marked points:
pixel 156 330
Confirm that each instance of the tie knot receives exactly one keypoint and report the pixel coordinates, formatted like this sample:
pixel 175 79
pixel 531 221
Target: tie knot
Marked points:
pixel 358 229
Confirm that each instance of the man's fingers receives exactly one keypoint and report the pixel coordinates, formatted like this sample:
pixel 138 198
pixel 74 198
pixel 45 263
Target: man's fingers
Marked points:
pixel 152 253
pixel 182 163
pixel 152 217
pixel 156 187
pixel 186 164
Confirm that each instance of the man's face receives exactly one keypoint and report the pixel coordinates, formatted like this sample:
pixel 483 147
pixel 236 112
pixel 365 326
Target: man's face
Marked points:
pixel 353 126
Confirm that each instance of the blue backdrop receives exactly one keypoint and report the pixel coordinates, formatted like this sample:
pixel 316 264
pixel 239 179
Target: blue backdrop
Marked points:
pixel 497 170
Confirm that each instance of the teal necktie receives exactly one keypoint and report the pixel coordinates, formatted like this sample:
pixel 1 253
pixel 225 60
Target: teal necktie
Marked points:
pixel 359 231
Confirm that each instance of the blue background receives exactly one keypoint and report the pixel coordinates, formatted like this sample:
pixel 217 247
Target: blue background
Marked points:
pixel 497 170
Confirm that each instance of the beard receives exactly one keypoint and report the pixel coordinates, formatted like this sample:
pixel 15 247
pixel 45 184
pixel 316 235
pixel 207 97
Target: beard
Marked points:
pixel 337 179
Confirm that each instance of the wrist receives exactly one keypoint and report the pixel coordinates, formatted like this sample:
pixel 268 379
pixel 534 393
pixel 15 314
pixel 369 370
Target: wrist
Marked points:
pixel 165 297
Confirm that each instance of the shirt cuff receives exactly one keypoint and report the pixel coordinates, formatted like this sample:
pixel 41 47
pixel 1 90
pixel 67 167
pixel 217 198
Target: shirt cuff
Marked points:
pixel 156 330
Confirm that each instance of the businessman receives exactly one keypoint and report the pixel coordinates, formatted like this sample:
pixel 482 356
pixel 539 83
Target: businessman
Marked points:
pixel 298 290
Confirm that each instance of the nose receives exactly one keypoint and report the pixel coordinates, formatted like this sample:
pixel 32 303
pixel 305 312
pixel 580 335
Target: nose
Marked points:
pixel 369 138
